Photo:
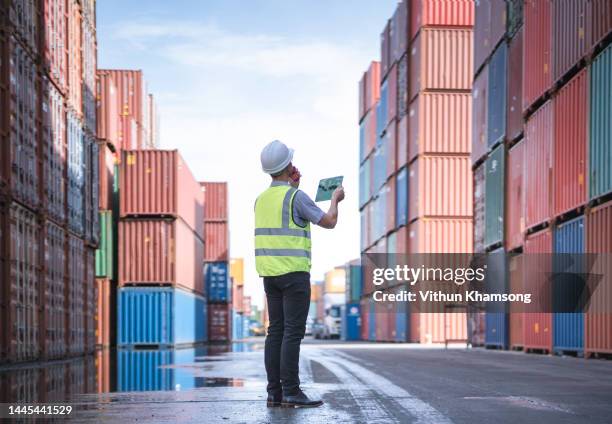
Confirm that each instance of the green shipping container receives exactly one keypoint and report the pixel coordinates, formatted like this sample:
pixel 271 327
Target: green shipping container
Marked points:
pixel 600 134
pixel 355 281
pixel 494 198
pixel 104 253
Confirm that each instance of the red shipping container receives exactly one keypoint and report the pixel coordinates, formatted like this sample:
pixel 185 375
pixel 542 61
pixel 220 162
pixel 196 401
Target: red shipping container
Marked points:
pixel 441 59
pixel 131 92
pixel 570 144
pixel 237 297
pixel 517 286
pixel 54 42
pixel 440 123
pixel 90 54
pixel 385 51
pixel 216 241
pixel 438 327
pixel 392 95
pixel 216 199
pixel 425 13
pixel 75 305
pixel 160 251
pixel 23 18
pixel 91 300
pixel 479 115
pixel 372 86
pixel 537 165
pixel 498 20
pixel 219 322
pixel 107 116
pixel 402 26
pixel 75 58
pixel 361 89
pixel 104 321
pixel 159 182
pixel 402 142
pixel 569 34
pixel 537 50
pixel 440 186
pixel 482 33
pixel 440 235
pixel 599 21
pixel 515 197
pixel 53 337
pixel 537 326
pixel 479 208
pixel 514 108
pixel 107 176
pixel 598 319
pixel 127 134
pixel 391 148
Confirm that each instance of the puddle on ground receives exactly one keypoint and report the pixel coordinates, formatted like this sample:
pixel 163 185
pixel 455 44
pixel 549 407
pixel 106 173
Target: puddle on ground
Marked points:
pixel 120 370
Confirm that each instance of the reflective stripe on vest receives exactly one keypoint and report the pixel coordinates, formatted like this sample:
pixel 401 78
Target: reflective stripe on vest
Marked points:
pixel 281 246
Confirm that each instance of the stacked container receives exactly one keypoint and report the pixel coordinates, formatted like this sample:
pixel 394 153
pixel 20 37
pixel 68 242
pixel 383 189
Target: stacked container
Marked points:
pixel 238 298
pixel 161 288
pixel 48 190
pixel 216 263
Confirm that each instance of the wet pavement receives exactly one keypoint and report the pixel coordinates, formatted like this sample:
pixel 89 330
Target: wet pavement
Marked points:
pixel 359 382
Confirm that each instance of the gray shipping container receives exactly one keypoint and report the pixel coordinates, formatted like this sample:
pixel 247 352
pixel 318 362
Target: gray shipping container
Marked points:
pixel 496 104
pixel 494 199
pixel 479 209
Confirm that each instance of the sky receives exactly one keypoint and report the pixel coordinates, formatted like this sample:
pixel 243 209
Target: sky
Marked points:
pixel 230 76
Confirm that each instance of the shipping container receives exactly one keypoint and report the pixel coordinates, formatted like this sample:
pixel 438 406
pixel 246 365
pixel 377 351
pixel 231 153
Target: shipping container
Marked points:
pixel 479 115
pixel 482 34
pixel 569 145
pixel 402 329
pixel 440 327
pixel 107 108
pixel 237 270
pixel 537 165
pixel 385 51
pixel 105 378
pixel 159 182
pixel 105 317
pixel 91 300
pixel 428 13
pixel 599 25
pixel 392 96
pixel 390 147
pixel 19 116
pixel 364 183
pixel 91 197
pixel 569 34
pixel 372 86
pixel 441 59
pixel 216 241
pixel 600 125
pixel 401 197
pixel 354 282
pixel 402 142
pixel 365 318
pixel 479 208
pixel 382 111
pixel 76 174
pixel 237 322
pixel 390 208
pixel 237 296
pixel 568 327
pixel 440 123
pixel 90 53
pixel 54 42
pixel 154 373
pixel 537 51
pixel 476 327
pixel 516 286
pixel 160 316
pixel 106 167
pixel 351 322
pixel 161 252
pixel 514 105
pixel 537 326
pixel 131 93
pixel 218 283
pixel 496 105
pixel 403 96
pixel 219 322
pixel 515 197
pixel 496 318
pixel 440 186
pixel 370 135
pixel 75 295
pixel 22 18
pixel 494 199
pixel 440 235
pixel 216 201
pixel 106 251
pixel 598 319
pixel 515 16
pixel 74 52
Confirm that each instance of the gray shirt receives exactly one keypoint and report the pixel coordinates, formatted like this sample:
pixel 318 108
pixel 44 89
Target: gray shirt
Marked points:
pixel 304 208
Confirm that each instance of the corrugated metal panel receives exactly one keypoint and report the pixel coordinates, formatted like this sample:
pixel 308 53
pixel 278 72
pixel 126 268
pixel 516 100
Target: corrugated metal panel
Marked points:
pixel 496 281
pixel 160 316
pixel 90 55
pixel 382 110
pixel 479 208
pixel 131 93
pixel 216 241
pixel 403 96
pixel 364 183
pixel 599 24
pixel 354 282
pixel 392 95
pixel 496 105
pixel 74 49
pixel 598 338
pixel 218 286
pixel 537 51
pixel 105 318
pixel 219 322
pixel 389 196
pixel 107 116
pixel 482 33
pixel 75 300
pixel 440 235
pixel 441 59
pixel 160 252
pixel 515 197
pixel 401 197
pixel 391 149
pixel 440 123
pixel 479 115
pixel 537 166
pixel 385 51
pixel 424 13
pixel 372 86
pixel 402 142
pixel 216 199
pixel 494 199
pixel 498 21
pixel 90 191
pixel 600 126
pixel 159 182
pixel 568 328
pixel 106 165
pixel 76 174
pixel 537 326
pixel 437 327
pixel 105 252
pixel 514 108
pixel 440 186
pixel 569 34
pixel 365 328
pixel 517 286
pixel 91 300
pixel 403 27
pixel 515 15
pixel 570 144
pixel 23 18
pixel 154 373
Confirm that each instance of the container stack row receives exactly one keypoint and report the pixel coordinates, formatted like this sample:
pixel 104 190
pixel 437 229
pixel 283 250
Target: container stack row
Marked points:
pixel 415 171
pixel 161 297
pixel 351 313
pixel 48 180
pixel 241 304
pixel 216 263
pixel 541 155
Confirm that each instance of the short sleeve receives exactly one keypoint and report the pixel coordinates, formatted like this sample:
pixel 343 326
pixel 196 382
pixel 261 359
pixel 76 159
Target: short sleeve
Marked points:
pixel 305 210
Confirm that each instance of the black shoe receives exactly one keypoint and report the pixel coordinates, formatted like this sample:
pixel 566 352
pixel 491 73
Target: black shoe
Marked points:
pixel 300 400
pixel 274 400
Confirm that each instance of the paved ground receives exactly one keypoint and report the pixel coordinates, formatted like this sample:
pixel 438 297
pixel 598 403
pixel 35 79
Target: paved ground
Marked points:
pixel 379 383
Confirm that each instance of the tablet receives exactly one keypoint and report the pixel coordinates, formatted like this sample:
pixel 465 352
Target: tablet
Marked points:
pixel 327 187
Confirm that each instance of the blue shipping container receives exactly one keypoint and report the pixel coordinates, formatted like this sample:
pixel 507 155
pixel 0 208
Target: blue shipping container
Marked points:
pixel 160 316
pixel 496 320
pixel 351 322
pixel 362 133
pixel 237 325
pixel 496 102
pixel 217 279
pixel 381 110
pixel 76 174
pixel 364 183
pixel 246 327
pixel 401 321
pixel 372 322
pixel 401 197
pixel 568 328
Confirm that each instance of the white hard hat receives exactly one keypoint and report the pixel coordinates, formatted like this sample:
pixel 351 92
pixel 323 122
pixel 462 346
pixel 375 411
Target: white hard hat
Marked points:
pixel 275 157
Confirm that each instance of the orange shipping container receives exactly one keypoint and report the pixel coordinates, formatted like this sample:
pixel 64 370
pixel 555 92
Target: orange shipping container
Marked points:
pixel 75 61
pixel 237 297
pixel 107 176
pixel 438 327
pixel 131 93
pixel 516 286
pixel 440 123
pixel 440 235
pixel 216 241
pixel 237 270
pixel 424 13
pixel 160 251
pixel 107 115
pixel 440 186
pixel 103 317
pixel 215 201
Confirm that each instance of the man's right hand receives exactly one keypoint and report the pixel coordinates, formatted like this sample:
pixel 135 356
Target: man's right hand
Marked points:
pixel 338 194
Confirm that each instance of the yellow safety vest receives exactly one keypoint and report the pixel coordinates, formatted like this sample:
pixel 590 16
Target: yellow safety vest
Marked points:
pixel 281 246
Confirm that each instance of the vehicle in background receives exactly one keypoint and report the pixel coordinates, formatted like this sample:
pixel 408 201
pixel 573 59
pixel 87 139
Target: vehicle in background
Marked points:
pixel 332 322
pixel 257 329
pixel 309 324
pixel 318 329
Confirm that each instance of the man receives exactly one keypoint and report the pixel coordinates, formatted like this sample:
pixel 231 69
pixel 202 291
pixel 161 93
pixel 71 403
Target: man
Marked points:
pixel 282 256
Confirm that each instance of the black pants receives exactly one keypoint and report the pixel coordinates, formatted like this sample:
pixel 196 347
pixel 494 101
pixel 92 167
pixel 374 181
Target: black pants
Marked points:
pixel 288 299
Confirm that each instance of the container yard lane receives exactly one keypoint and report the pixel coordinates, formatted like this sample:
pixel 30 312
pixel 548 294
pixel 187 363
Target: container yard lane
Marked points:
pixel 360 383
